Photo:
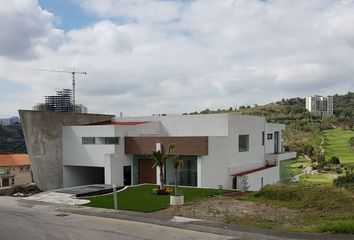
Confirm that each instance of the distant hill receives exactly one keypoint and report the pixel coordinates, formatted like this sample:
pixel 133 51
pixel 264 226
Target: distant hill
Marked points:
pixel 288 110
pixel 12 139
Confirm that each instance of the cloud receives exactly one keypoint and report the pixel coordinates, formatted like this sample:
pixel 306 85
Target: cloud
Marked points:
pixel 146 57
pixel 150 11
pixel 24 26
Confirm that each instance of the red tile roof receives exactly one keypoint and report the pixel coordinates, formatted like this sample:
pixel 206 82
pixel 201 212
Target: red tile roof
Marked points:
pixel 251 171
pixel 11 160
pixel 118 123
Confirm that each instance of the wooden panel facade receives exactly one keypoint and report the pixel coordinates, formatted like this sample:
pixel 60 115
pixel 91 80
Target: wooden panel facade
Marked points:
pixel 195 146
pixel 147 174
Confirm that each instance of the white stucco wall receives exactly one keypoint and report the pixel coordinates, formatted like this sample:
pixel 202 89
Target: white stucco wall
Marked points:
pixel 77 154
pixel 271 128
pixel 224 158
pixel 188 125
pixel 270 176
pixel 114 168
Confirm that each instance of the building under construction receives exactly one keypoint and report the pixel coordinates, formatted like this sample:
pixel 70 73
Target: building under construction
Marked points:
pixel 61 102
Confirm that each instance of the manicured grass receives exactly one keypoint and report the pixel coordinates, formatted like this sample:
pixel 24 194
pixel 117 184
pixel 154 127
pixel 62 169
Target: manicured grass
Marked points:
pixel 141 199
pixel 336 144
pixel 320 208
pixel 326 179
pixel 295 165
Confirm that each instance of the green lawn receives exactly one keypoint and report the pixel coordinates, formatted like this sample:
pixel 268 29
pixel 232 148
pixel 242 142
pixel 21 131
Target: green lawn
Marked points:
pixel 326 179
pixel 336 143
pixel 141 199
pixel 295 165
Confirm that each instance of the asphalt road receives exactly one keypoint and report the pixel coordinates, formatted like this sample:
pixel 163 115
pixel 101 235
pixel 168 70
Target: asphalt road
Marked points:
pixel 23 223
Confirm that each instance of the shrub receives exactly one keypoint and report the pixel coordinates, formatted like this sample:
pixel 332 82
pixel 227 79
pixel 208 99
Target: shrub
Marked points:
pixel 165 191
pixel 326 168
pixel 334 160
pixel 337 227
pixel 351 142
pixel 339 170
pixel 346 181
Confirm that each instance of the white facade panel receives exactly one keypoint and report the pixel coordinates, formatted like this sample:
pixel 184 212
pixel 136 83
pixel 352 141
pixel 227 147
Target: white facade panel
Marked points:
pixel 264 177
pixel 188 125
pixel 77 154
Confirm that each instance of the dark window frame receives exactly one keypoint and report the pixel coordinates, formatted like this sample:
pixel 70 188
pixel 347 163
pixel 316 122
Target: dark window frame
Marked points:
pixel 245 148
pixel 269 136
pixel 100 140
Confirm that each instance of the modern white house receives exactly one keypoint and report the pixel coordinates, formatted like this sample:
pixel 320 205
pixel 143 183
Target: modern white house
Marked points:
pixel 217 150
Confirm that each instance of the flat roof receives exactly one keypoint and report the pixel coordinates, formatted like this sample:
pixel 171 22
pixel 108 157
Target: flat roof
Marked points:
pixel 128 123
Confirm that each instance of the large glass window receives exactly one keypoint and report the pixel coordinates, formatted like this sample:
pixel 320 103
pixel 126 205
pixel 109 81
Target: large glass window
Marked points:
pixel 100 140
pixel 243 143
pixel 187 175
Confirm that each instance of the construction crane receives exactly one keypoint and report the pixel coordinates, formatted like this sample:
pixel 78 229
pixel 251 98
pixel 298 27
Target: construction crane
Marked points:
pixel 73 74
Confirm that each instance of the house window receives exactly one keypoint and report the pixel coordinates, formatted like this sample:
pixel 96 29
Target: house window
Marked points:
pixel 263 138
pixel 186 175
pixel 243 143
pixel 22 169
pixel 269 136
pixel 12 181
pixel 100 140
pixel 107 140
pixel 88 140
pixel 28 168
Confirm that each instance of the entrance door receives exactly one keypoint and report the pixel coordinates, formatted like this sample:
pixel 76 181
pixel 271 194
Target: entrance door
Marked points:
pixel 276 142
pixel 147 174
pixel 127 175
pixel 5 182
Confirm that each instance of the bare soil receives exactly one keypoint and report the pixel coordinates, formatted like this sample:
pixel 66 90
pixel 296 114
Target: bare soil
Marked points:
pixel 221 208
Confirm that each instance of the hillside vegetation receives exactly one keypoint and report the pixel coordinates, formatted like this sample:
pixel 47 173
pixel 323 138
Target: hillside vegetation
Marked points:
pixel 12 140
pixel 304 131
pixel 320 208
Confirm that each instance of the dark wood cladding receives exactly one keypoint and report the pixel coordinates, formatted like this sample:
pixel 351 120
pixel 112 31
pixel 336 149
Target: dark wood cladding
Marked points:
pixel 184 145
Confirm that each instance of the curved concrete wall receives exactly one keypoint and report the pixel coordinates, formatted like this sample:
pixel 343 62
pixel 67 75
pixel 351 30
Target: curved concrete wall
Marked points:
pixel 43 135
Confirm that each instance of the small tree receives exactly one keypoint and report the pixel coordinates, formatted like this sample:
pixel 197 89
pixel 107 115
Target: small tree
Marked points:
pixel 160 158
pixel 244 186
pixel 177 164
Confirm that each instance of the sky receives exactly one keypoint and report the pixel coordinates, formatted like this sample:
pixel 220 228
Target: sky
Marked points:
pixel 163 56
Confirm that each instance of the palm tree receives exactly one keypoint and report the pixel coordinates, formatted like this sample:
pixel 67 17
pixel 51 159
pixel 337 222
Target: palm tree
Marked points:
pixel 177 163
pixel 160 158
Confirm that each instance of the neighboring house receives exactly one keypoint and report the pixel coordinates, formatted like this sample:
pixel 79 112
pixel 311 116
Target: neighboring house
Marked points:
pixel 322 106
pixel 217 150
pixel 15 169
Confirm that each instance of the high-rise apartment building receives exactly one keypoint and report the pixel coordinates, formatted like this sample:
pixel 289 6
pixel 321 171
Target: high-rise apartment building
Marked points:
pixel 323 106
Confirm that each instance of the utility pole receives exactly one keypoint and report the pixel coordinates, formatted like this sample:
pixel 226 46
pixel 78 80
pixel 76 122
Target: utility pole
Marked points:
pixel 73 81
